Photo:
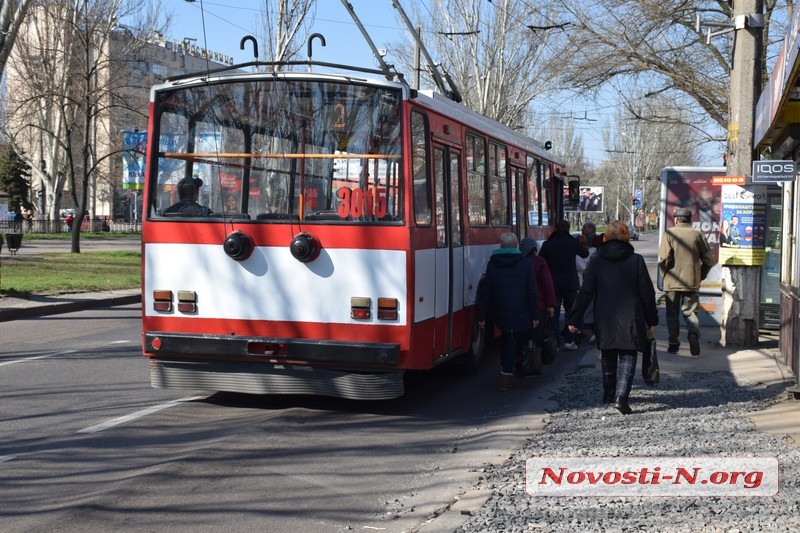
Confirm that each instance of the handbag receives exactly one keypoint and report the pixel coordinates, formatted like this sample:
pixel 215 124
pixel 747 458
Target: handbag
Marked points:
pixel 549 343
pixel 530 360
pixel 650 371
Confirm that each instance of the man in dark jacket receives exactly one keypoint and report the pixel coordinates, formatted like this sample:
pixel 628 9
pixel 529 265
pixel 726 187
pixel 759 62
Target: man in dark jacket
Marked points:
pixel 560 251
pixel 187 206
pixel 508 292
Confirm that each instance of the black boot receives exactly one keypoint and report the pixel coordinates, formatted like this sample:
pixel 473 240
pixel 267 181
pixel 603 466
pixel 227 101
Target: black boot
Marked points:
pixel 608 397
pixel 621 405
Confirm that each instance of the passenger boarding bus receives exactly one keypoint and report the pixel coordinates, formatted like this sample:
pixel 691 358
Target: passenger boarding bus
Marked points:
pixel 351 218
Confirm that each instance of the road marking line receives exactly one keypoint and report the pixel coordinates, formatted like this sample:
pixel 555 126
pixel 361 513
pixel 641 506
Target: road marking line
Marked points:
pixel 37 357
pixel 4 458
pixel 121 342
pixel 138 414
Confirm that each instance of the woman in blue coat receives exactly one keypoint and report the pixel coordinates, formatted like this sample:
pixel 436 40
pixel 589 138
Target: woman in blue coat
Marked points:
pixel 625 312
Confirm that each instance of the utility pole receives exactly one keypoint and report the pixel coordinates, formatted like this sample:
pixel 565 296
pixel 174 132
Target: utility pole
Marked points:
pixel 741 284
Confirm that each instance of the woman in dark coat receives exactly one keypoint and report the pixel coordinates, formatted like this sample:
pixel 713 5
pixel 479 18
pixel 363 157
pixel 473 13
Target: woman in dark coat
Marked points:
pixel 625 310
pixel 508 292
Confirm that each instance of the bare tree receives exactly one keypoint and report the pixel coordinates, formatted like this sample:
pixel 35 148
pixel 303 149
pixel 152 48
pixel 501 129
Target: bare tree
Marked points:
pixel 65 90
pixel 281 23
pixel 638 148
pixel 495 51
pixel 12 14
pixel 655 45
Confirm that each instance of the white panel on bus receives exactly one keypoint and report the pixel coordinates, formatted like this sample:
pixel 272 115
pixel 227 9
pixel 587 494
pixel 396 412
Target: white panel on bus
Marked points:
pixel 424 284
pixel 475 261
pixel 458 276
pixel 273 285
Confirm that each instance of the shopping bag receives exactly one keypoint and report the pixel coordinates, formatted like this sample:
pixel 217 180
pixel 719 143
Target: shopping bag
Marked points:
pixel 549 343
pixel 650 371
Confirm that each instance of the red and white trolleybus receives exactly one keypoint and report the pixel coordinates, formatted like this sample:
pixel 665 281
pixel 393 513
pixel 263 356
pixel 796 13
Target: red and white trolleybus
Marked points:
pixel 352 219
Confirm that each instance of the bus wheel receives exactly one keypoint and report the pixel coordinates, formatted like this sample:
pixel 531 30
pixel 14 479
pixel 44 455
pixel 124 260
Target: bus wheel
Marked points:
pixel 471 359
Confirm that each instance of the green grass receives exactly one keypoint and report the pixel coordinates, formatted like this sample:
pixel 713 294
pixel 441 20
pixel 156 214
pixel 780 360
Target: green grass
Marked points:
pixel 61 273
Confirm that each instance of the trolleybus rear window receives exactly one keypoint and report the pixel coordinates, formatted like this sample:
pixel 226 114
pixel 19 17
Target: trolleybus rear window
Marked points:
pixel 279 150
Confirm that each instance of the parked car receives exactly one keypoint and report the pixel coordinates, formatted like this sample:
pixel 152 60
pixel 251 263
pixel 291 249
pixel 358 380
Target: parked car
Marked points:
pixel 634 233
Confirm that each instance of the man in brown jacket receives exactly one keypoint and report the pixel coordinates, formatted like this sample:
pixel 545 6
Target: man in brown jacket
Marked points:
pixel 684 259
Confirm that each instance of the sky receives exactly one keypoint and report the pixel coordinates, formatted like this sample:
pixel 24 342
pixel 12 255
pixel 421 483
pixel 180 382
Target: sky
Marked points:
pixel 223 23
pixel 219 26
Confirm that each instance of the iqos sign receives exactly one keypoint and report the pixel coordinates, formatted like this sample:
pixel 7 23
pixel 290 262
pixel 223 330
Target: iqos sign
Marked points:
pixel 771 171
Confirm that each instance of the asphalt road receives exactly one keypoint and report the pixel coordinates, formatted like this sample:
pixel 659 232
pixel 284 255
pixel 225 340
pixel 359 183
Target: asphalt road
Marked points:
pixel 87 445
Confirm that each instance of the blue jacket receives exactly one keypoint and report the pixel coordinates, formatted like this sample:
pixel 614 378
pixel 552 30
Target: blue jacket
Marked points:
pixel 507 292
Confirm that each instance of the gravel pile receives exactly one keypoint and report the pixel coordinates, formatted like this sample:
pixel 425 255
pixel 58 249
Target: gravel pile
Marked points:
pixel 692 415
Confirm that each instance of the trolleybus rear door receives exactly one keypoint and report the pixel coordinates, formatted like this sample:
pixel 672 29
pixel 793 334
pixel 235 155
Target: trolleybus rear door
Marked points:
pixel 449 251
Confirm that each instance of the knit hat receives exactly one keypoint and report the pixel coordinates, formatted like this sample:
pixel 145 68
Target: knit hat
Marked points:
pixel 527 246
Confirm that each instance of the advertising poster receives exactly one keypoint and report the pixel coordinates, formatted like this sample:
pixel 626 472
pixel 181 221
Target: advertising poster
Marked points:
pixel 742 233
pixel 134 145
pixel 591 201
pixel 698 191
pixel 170 171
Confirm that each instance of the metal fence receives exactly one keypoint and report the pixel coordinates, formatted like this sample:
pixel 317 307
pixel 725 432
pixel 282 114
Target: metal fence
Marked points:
pixel 60 226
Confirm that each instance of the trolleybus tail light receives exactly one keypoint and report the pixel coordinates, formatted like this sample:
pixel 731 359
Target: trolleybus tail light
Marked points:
pixel 162 301
pixel 156 344
pixel 305 247
pixel 238 245
pixel 187 301
pixel 387 308
pixel 359 307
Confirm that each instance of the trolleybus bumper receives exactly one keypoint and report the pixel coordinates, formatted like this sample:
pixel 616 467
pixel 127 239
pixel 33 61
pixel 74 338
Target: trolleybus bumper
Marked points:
pixel 360 371
pixel 253 378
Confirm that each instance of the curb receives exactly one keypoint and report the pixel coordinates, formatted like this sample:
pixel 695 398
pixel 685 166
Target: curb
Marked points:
pixel 55 308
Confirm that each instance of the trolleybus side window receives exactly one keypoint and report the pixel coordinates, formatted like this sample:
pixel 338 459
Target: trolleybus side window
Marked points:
pixel 546 197
pixel 476 180
pixel 534 193
pixel 420 169
pixel 498 185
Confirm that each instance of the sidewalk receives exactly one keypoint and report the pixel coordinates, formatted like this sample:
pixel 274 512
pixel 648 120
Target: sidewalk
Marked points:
pixel 756 367
pixel 17 308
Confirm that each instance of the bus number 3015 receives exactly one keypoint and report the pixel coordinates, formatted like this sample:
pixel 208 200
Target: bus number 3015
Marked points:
pixel 357 203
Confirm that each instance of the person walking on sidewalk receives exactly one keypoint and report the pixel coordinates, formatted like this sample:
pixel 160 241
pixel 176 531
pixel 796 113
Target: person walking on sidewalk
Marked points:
pixel 625 312
pixel 685 259
pixel 560 251
pixel 508 292
pixel 544 287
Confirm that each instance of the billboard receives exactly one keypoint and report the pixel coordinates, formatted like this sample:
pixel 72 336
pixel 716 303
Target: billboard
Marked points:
pixel 591 201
